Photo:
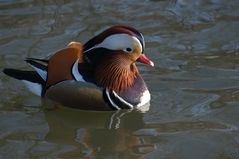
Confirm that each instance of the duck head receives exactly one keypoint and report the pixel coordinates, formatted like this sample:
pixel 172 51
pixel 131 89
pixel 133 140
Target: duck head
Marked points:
pixel 112 55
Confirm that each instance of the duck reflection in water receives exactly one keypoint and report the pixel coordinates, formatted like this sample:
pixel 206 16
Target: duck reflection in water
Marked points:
pixel 107 134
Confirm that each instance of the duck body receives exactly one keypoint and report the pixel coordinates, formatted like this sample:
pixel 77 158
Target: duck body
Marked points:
pixel 99 75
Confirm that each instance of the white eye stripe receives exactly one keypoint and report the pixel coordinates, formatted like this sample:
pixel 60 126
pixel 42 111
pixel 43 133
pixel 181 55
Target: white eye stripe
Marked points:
pixel 119 42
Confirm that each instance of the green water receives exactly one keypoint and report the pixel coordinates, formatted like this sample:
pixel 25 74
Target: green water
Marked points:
pixel 194 111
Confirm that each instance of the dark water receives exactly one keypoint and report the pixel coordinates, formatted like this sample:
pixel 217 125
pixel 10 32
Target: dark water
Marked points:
pixel 195 85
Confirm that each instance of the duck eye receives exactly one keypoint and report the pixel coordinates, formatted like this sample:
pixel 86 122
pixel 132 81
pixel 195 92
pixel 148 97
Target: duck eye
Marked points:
pixel 128 49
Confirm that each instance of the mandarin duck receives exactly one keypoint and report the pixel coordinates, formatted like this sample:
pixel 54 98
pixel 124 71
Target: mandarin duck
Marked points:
pixel 99 75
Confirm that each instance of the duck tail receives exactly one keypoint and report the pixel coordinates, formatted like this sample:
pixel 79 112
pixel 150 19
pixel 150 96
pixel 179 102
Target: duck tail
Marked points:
pixel 32 80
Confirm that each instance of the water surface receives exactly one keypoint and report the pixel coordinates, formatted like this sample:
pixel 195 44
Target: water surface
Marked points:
pixel 194 84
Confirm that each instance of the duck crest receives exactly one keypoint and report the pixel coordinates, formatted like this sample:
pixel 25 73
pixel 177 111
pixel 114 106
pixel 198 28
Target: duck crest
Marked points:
pixel 118 29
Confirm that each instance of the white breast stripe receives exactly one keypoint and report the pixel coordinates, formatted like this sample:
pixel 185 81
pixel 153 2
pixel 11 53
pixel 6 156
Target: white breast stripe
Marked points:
pixel 76 73
pixel 122 100
pixel 111 102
